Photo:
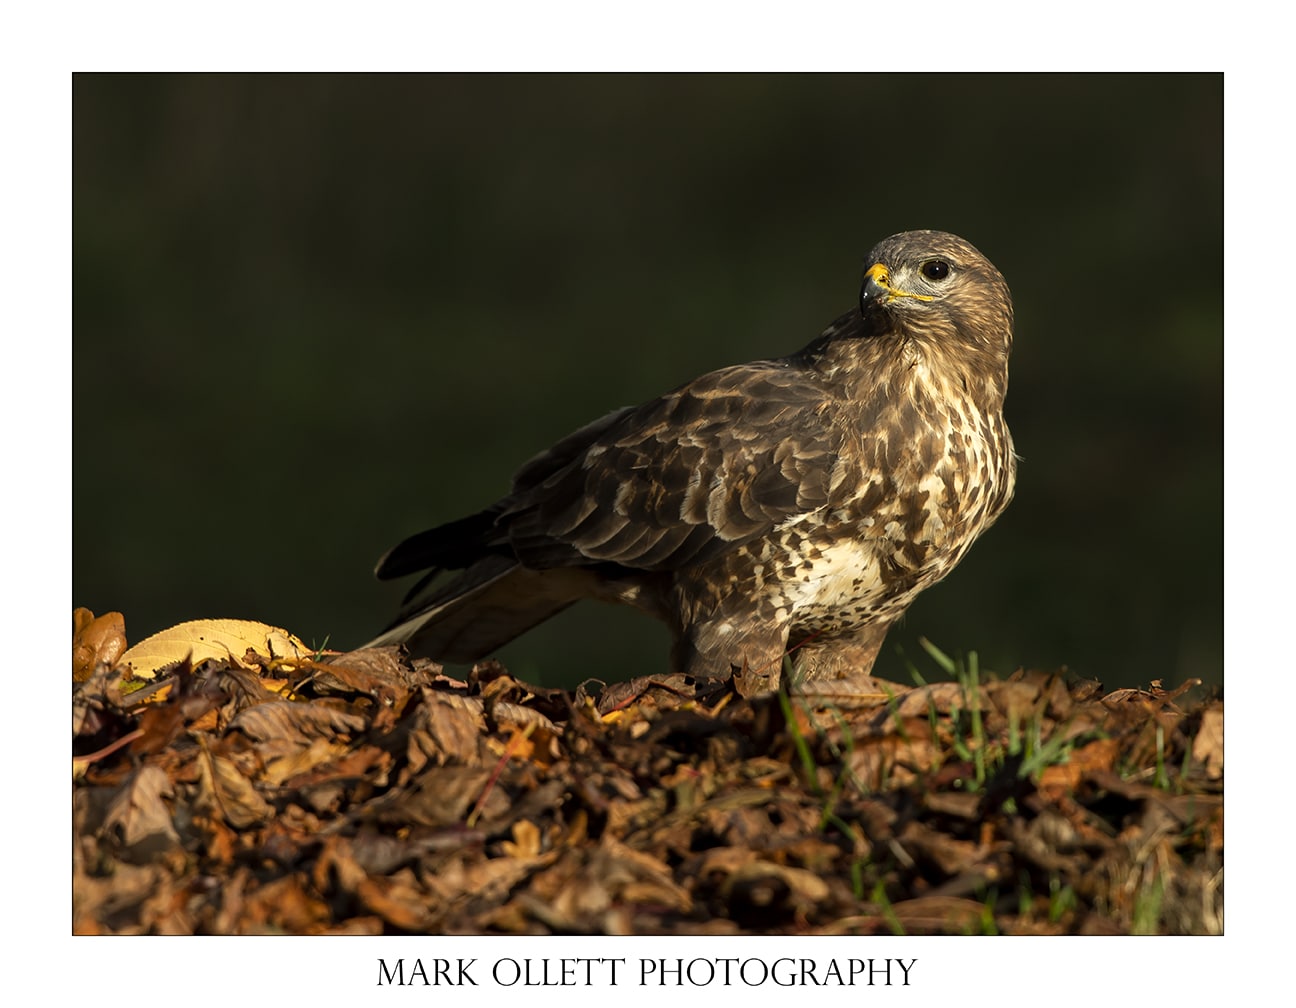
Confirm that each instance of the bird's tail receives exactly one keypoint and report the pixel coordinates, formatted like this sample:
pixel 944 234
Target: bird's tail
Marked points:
pixel 456 545
pixel 481 610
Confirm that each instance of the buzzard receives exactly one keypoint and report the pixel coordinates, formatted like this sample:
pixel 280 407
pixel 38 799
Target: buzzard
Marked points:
pixel 793 506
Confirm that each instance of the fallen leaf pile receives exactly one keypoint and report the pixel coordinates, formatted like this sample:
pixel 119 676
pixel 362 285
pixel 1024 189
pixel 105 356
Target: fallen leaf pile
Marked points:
pixel 366 794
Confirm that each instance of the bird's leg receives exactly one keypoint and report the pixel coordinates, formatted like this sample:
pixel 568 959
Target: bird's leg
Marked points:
pixel 713 650
pixel 838 657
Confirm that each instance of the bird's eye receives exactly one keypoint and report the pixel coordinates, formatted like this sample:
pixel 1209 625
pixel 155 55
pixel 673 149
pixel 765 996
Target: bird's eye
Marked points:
pixel 936 269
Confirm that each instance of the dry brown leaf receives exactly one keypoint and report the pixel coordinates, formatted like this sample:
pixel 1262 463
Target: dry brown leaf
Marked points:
pixel 96 640
pixel 397 900
pixel 377 796
pixel 583 886
pixel 892 758
pixel 299 761
pixel 225 792
pixel 1062 778
pixel 525 842
pixel 442 796
pixel 119 895
pixel 489 880
pixel 950 856
pixel 283 906
pixel 222 639
pixel 1018 700
pixel 448 728
pixel 852 692
pixel 295 723
pixel 943 697
pixel 139 814
pixel 950 914
pixel 741 866
pixel 81 618
pixel 1208 746
pixel 649 879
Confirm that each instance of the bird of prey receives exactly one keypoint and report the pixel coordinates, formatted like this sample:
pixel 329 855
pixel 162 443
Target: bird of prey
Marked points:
pixel 786 507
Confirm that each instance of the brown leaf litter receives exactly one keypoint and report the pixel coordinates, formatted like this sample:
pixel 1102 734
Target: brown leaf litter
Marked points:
pixel 368 794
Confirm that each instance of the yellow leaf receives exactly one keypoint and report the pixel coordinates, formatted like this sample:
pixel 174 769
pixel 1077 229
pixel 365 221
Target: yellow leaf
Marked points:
pixel 223 639
pixel 526 840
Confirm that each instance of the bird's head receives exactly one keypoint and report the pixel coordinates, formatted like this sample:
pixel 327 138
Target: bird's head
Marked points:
pixel 937 289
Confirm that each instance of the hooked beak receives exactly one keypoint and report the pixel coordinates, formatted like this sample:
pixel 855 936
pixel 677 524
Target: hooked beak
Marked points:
pixel 877 286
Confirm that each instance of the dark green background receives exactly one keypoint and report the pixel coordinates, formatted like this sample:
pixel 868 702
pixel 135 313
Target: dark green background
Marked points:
pixel 314 314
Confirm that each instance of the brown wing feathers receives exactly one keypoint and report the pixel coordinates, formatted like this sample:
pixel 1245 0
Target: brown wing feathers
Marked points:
pixel 685 476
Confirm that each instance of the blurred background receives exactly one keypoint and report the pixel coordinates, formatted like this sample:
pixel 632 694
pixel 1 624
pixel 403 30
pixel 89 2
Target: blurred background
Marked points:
pixel 315 314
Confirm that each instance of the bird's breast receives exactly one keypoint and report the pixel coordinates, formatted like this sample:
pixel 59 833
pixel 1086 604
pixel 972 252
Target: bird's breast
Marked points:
pixel 924 491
